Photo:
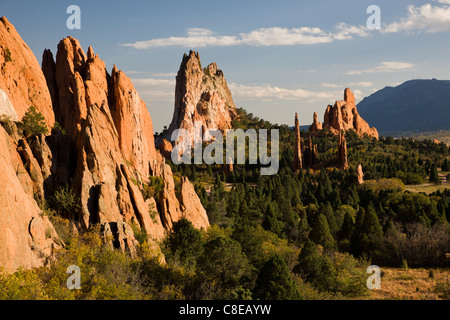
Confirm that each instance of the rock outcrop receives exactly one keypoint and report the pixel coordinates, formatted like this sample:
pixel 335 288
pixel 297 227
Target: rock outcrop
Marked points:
pixel 310 157
pixel 191 206
pixel 27 238
pixel 344 116
pixel 103 149
pixel 133 123
pixel 114 145
pixel 316 125
pixel 6 109
pixel 342 152
pixel 360 174
pixel 165 148
pixel 297 163
pixel 21 77
pixel 200 95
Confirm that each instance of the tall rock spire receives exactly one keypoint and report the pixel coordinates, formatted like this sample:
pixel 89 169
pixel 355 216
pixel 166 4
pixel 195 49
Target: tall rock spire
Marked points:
pixel 316 125
pixel 360 174
pixel 297 163
pixel 201 94
pixel 342 151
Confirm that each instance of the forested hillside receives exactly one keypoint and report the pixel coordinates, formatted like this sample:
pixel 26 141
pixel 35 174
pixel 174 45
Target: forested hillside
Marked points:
pixel 309 235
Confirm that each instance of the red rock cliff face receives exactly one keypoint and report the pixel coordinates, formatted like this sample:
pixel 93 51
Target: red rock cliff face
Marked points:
pixel 200 95
pixel 21 77
pixel 344 116
pixel 27 238
pixel 106 156
pixel 114 143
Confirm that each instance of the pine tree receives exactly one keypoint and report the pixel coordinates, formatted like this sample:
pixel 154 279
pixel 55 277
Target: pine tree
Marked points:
pixel 445 165
pixel 371 225
pixel 303 226
pixel 428 166
pixel 327 210
pixel 321 234
pixel 275 282
pixel 223 266
pixel 33 122
pixel 309 261
pixel 434 175
pixel 185 242
pixel 357 235
pixel 209 171
pixel 368 232
pixel 194 175
pixel 270 222
pixel 345 233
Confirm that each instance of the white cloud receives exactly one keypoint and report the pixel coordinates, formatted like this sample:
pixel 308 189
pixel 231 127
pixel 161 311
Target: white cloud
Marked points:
pixel 330 85
pixel 363 84
pixel 155 89
pixel 267 93
pixel 136 72
pixel 277 36
pixel 274 36
pixel 426 18
pixel 346 32
pixel 199 32
pixel 196 37
pixel 168 74
pixel 387 66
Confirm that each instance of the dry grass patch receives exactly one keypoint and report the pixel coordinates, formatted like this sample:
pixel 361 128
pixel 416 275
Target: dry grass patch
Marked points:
pixel 411 284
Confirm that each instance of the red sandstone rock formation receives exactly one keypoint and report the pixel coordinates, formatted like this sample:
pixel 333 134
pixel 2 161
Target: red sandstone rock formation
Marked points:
pixel 21 77
pixel 165 148
pixel 297 163
pixel 316 125
pixel 344 116
pixel 360 174
pixel 200 95
pixel 114 134
pixel 342 151
pixel 107 154
pixel 27 238
pixel 310 157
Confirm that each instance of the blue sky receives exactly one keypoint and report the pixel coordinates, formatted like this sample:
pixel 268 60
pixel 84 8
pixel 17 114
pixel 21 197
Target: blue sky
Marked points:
pixel 279 57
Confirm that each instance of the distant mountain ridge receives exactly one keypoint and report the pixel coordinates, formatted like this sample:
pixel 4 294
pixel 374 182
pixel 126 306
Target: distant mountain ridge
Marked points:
pixel 413 106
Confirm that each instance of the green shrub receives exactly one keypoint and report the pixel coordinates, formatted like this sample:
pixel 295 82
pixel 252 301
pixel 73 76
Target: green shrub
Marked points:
pixel 33 123
pixel 58 129
pixel 8 55
pixel 139 233
pixel 155 185
pixel 404 264
pixel 64 201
